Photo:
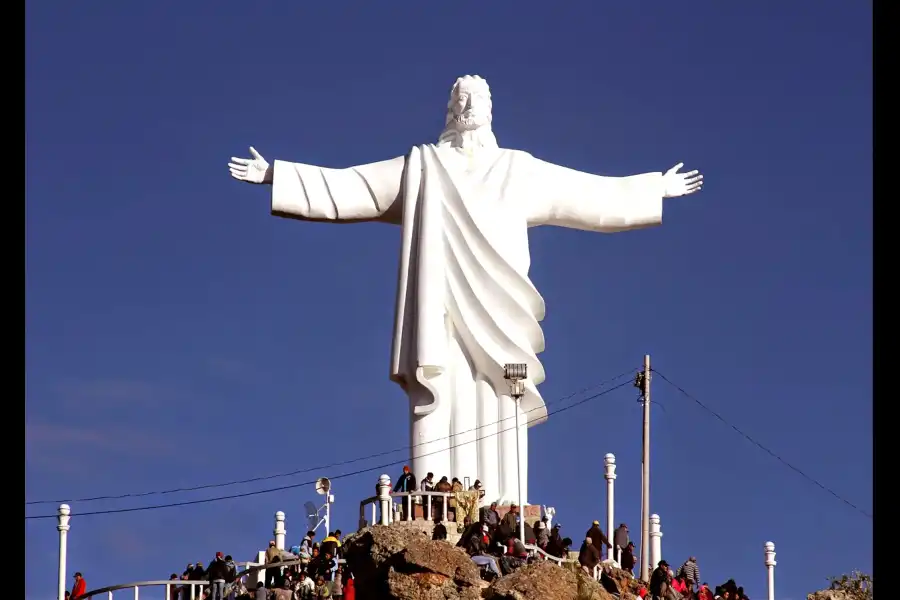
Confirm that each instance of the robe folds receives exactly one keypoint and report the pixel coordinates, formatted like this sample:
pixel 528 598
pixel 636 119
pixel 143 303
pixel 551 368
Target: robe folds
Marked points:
pixel 464 257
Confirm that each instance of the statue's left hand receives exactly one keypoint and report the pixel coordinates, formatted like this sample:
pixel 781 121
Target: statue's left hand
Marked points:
pixel 251 170
pixel 681 184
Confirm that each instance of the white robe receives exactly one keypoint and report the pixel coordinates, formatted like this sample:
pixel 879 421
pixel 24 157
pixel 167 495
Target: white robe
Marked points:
pixel 465 305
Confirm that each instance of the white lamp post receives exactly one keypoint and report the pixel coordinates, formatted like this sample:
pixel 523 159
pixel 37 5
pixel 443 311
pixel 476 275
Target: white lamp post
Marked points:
pixel 655 541
pixel 609 464
pixel 384 498
pixel 770 568
pixel 515 374
pixel 62 517
pixel 280 532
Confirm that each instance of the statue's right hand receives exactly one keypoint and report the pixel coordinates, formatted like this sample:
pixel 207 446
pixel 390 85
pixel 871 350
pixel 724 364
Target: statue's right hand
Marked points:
pixel 251 170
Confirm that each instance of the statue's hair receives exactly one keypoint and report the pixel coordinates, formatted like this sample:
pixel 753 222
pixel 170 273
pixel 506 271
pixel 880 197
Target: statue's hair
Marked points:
pixel 484 135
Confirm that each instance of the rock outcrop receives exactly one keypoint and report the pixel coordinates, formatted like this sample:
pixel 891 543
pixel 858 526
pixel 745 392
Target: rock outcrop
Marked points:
pixel 404 564
pixel 546 581
pixel 828 595
pixel 401 562
pixel 624 581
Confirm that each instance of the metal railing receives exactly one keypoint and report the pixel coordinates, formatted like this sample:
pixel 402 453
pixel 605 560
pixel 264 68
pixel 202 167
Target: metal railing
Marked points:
pixel 406 498
pixel 196 586
pixel 536 550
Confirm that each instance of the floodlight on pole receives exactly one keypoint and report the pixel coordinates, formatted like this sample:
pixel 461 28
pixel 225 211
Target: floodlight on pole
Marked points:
pixel 323 488
pixel 515 374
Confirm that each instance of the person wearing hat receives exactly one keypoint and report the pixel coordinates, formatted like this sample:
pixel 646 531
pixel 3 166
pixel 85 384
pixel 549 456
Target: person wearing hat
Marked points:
pixel 541 534
pixel 509 524
pixel 555 543
pixel 626 558
pixel 80 586
pixel 476 487
pixel 691 572
pixel 273 555
pixel 588 556
pixel 217 574
pixel 620 539
pixel 405 483
pixel 600 539
pixel 477 545
pixel 659 581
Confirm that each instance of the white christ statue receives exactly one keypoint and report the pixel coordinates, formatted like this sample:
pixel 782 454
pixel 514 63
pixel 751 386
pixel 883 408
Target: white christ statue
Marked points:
pixel 465 304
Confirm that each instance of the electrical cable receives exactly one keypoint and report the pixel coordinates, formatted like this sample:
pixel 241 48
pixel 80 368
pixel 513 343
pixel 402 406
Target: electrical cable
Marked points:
pixel 321 467
pixel 342 476
pixel 762 447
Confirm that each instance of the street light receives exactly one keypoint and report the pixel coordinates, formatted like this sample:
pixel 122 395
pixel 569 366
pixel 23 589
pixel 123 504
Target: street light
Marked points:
pixel 515 374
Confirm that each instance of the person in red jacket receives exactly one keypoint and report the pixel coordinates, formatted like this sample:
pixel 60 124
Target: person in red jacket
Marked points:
pixel 80 586
pixel 349 587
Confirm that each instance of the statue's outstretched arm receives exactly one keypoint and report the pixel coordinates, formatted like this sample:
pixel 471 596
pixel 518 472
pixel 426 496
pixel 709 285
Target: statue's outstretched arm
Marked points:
pixel 568 198
pixel 363 193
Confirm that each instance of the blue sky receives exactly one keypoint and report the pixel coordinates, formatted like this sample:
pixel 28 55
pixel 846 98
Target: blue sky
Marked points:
pixel 177 334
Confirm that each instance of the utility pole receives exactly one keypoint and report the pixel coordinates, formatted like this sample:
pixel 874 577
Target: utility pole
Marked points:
pixel 642 382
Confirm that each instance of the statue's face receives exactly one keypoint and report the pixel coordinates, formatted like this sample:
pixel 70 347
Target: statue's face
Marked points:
pixel 471 108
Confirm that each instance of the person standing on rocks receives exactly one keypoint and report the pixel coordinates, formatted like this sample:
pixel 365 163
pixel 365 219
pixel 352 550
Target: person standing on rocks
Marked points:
pixel 541 535
pixel 555 543
pixel 691 572
pixel 620 540
pixel 588 556
pixel 599 538
pixel 659 581
pixel 626 559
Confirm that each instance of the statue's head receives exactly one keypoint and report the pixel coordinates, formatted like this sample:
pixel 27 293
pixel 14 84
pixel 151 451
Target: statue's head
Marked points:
pixel 469 116
pixel 470 103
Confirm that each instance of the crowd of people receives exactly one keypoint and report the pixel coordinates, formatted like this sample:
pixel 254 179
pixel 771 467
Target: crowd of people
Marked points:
pixel 684 583
pixel 312 570
pixel 308 571
pixel 406 483
pixel 493 544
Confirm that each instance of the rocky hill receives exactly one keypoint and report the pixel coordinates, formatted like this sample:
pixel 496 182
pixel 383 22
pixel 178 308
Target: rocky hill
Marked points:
pixel 403 563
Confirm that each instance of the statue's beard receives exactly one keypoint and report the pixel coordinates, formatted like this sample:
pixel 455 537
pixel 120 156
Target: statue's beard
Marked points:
pixel 468 130
pixel 470 121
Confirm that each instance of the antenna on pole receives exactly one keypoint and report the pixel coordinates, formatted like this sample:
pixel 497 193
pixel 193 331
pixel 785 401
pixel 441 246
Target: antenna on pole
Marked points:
pixel 312 516
pixel 323 488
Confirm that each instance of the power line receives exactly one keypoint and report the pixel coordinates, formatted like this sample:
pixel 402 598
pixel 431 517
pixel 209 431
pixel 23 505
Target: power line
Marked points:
pixel 321 467
pixel 764 448
pixel 342 476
